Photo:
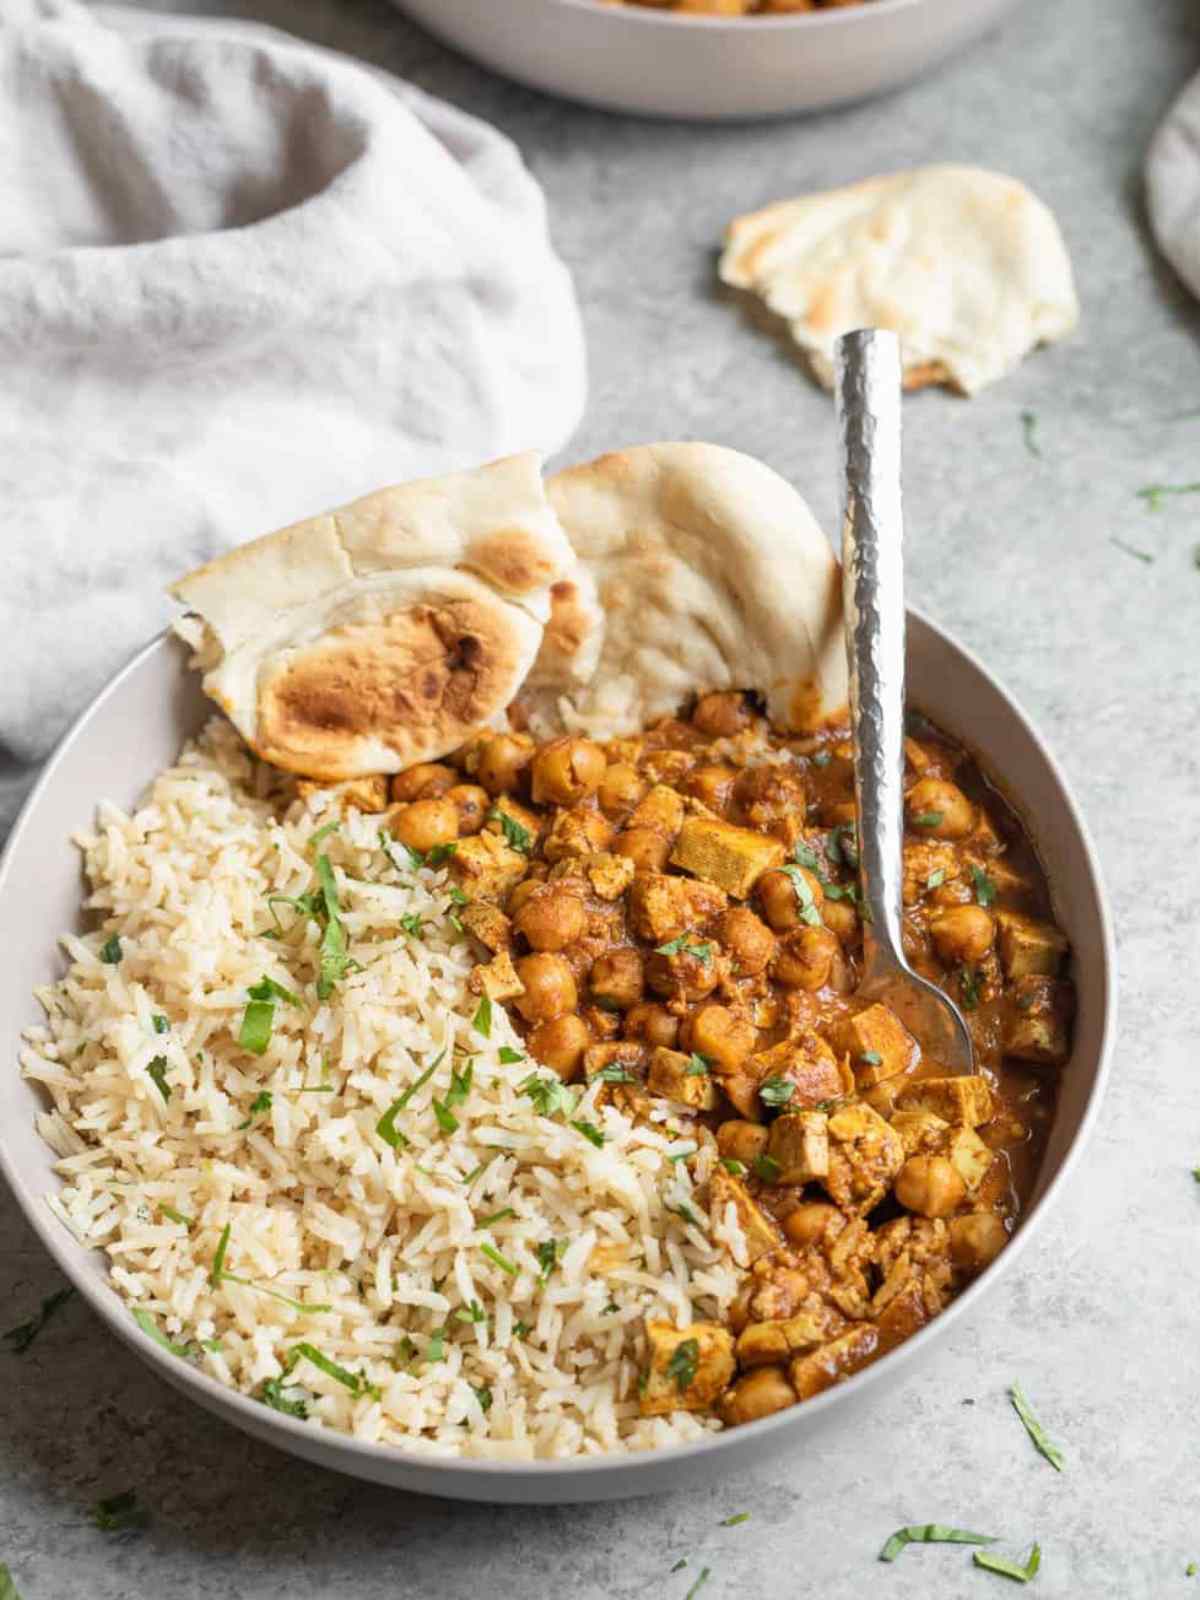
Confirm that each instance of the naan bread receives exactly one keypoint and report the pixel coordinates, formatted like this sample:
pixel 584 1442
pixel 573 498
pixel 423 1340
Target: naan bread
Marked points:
pixel 967 266
pixel 711 574
pixel 386 632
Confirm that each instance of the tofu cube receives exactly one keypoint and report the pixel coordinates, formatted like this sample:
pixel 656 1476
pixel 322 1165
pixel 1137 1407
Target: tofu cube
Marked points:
pixel 1030 948
pixel 763 1344
pixel 965 1099
pixel 486 868
pixel 487 923
pixel 903 1314
pixel 921 1132
pixel 497 978
pixel 609 875
pixel 1038 1027
pixel 799 1142
pixel 670 1076
pixel 732 858
pixel 661 810
pixel 830 1363
pixel 879 1046
pixel 360 794
pixel 687 1367
pixel 865 1154
pixel 970 1157
pixel 760 1232
pixel 808 1064
pixel 661 907
pixel 505 806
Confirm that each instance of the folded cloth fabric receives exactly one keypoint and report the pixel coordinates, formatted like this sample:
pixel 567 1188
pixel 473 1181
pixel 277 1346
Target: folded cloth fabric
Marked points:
pixel 1173 185
pixel 241 279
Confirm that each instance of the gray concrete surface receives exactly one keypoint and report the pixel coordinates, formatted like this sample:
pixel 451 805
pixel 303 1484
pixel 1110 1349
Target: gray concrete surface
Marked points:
pixel 1016 554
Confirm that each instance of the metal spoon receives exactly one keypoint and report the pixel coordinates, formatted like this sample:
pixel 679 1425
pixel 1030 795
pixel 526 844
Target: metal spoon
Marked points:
pixel 868 409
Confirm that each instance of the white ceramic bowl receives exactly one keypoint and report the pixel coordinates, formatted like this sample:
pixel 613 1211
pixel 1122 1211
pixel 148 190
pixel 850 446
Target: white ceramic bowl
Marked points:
pixel 135 728
pixel 664 64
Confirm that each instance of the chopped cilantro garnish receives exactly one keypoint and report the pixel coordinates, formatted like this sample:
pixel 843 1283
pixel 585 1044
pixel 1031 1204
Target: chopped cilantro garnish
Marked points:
pixel 437 1345
pixel 985 889
pixel 496 1216
pixel 323 832
pixel 968 984
pixel 156 1071
pixel 1028 429
pixel 804 895
pixel 161 1023
pixel 119 1513
pixel 698 1066
pixel 776 1091
pixel 268 989
pixel 806 856
pixel 413 924
pixel 521 1329
pixel 460 1085
pixel 484 1395
pixel 502 1261
pixel 547 1254
pixel 871 1058
pixel 218 1274
pixel 482 1020
pixel 412 859
pixel 1010 1569
pixel 257 1025
pixel 936 878
pixel 684 1363
pixel 354 1381
pixel 217 1270
pixel 22 1336
pixel 271 1393
pixel 613 1073
pixel 148 1325
pixel 473 1312
pixel 549 1095
pixel 929 819
pixel 446 1120
pixel 177 1216
pixel 590 1132
pixel 681 947
pixel 335 962
pixel 930 1533
pixel 483 1165
pixel 110 951
pixel 516 836
pixel 731 1164
pixel 386 1126
pixel 1034 1428
pixel 767 1168
pixel 260 1104
pixel 509 1056
pixel 682 1155
pixel 822 758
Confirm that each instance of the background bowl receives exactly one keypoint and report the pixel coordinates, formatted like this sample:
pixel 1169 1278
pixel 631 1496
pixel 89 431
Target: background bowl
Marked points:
pixel 135 728
pixel 631 58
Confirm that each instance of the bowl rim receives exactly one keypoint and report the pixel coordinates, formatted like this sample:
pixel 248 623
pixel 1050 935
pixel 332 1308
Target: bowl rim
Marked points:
pixel 837 17
pixel 260 1421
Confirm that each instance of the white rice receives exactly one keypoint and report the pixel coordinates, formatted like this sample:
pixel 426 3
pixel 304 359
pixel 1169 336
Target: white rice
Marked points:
pixel 385 1242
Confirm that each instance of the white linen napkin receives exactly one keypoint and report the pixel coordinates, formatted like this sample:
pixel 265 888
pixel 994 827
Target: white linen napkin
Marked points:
pixel 241 279
pixel 1173 185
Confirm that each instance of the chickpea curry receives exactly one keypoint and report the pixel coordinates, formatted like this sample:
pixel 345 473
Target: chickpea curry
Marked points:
pixel 677 915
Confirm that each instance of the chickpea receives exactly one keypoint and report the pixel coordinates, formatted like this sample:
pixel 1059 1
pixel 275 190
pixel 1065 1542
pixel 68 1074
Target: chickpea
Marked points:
pixel 426 781
pixel 962 934
pixel 426 823
pixel 617 979
pixel 645 847
pixel 977 1240
pixel 930 1185
pixel 712 785
pixel 749 941
pixel 653 1023
pixel 549 987
pixel 560 1044
pixel 472 804
pixel 809 1222
pixel 722 715
pixel 757 1394
pixel 621 787
pixel 742 1141
pixel 567 770
pixel 551 918
pixel 521 893
pixel 582 831
pixel 720 1034
pixel 779 897
pixel 685 974
pixel 501 762
pixel 839 813
pixel 840 917
pixel 805 958
pixel 936 809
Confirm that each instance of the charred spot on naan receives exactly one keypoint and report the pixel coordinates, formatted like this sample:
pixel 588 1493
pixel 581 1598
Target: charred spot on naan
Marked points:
pixel 395 681
pixel 513 560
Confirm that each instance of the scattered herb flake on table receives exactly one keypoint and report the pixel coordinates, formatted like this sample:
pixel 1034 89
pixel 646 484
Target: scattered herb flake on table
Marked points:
pixel 1155 493
pixel 8 1589
pixel 1028 430
pixel 22 1336
pixel 705 1574
pixel 930 1533
pixel 1034 1428
pixel 1143 556
pixel 1010 1569
pixel 732 1522
pixel 119 1513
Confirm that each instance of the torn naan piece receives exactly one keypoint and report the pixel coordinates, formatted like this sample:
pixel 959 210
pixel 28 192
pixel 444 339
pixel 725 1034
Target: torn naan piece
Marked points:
pixel 711 573
pixel 387 632
pixel 967 266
